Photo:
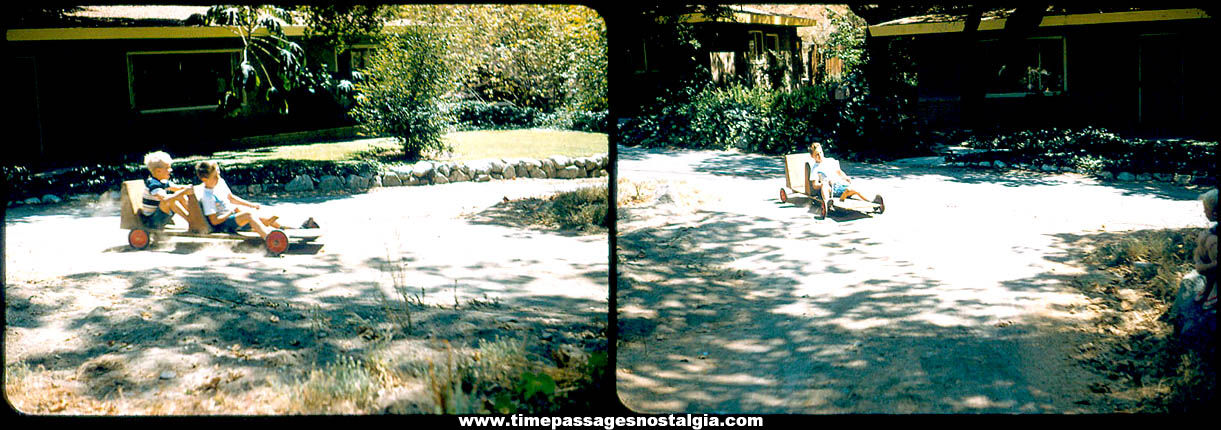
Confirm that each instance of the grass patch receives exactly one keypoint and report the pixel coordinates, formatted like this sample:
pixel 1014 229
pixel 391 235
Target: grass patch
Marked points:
pixel 531 143
pixel 1148 369
pixel 633 193
pixel 465 145
pixel 345 386
pixel 329 151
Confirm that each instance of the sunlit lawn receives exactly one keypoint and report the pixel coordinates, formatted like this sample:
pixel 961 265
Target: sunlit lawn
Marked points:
pixel 466 145
pixel 533 143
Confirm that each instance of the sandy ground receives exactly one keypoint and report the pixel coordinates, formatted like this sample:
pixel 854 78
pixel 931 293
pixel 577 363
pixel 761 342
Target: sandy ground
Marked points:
pixel 160 322
pixel 957 300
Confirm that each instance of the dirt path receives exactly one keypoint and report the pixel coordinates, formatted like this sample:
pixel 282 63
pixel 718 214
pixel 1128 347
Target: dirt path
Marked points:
pixel 100 317
pixel 957 299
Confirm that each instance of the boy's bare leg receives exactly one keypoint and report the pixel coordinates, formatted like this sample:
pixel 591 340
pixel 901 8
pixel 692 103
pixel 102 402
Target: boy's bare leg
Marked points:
pixel 825 193
pixel 173 206
pixel 857 194
pixel 271 221
pixel 244 218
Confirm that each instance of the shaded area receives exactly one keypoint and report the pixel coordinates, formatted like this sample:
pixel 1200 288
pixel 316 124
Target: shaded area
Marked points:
pixel 265 323
pixel 830 333
pixel 1146 365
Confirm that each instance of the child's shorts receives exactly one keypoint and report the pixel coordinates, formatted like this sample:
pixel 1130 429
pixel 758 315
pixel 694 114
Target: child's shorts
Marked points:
pixel 837 190
pixel 230 225
pixel 157 220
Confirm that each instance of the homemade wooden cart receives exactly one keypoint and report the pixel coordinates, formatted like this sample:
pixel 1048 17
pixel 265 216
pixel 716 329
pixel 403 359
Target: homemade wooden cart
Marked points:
pixel 797 170
pixel 140 237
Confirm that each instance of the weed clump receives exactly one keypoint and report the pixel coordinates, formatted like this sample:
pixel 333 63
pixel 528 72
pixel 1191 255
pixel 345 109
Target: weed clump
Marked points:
pixel 1142 353
pixel 583 209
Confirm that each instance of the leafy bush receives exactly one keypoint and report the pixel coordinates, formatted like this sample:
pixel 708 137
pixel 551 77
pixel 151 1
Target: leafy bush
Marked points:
pixel 590 121
pixel 475 115
pixel 752 119
pixel 1093 150
pixel 482 115
pixel 93 179
pixel 402 93
pixel 283 171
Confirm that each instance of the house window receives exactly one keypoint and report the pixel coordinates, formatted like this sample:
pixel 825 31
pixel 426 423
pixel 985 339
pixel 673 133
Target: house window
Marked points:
pixel 177 81
pixel 773 43
pixel 756 44
pixel 353 59
pixel 1032 66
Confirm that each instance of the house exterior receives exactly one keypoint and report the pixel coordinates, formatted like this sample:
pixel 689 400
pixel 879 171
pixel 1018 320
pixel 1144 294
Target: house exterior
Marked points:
pixel 748 45
pixel 135 78
pixel 1135 71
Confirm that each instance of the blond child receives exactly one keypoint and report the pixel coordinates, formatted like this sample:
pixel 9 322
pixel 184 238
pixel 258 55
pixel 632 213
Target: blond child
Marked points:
pixel 1205 255
pixel 831 181
pixel 162 198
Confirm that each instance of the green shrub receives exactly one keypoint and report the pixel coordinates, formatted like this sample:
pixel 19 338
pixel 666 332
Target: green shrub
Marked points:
pixel 481 115
pixel 589 121
pixel 1093 150
pixel 475 115
pixel 283 171
pixel 751 119
pixel 401 96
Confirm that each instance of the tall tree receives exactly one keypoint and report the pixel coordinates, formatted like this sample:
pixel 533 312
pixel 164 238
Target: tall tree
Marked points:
pixel 269 61
pixel 336 23
pixel 538 56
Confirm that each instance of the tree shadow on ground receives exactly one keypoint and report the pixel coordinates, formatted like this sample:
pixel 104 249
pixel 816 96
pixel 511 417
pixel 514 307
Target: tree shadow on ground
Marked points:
pixel 812 335
pixel 264 322
pixel 1142 365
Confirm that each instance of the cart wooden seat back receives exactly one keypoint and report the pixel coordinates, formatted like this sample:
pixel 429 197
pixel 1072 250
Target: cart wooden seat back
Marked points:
pixel 133 192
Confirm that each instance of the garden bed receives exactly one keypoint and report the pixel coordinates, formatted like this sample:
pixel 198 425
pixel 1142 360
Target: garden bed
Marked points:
pixel 1093 151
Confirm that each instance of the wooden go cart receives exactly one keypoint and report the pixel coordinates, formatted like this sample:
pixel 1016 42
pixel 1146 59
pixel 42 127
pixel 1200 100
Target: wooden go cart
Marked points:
pixel 797 169
pixel 140 237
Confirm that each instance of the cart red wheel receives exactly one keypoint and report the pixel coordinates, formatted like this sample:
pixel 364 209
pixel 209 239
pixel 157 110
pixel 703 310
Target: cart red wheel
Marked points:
pixel 138 239
pixel 277 242
pixel 784 197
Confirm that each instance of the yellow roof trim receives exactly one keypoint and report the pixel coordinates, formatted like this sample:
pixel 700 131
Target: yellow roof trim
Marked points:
pixel 751 18
pixel 884 30
pixel 116 33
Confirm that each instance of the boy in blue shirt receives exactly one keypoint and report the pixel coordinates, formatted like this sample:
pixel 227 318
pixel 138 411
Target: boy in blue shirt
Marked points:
pixel 162 198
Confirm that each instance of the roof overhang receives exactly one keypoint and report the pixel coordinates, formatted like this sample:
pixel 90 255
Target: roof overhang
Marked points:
pixel 115 33
pixel 744 17
pixel 912 29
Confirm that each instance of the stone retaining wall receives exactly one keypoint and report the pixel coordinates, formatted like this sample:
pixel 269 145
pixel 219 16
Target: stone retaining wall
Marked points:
pixel 421 173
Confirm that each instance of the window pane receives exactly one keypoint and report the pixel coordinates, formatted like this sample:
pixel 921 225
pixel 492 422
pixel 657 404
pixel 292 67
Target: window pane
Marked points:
pixel 161 81
pixel 1030 66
